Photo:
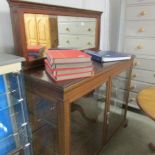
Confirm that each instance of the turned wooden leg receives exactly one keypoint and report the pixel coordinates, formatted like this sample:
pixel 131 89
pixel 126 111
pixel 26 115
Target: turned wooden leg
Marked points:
pixel 152 147
pixel 126 124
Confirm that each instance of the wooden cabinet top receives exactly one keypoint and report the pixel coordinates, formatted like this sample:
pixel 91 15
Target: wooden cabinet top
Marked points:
pixel 37 79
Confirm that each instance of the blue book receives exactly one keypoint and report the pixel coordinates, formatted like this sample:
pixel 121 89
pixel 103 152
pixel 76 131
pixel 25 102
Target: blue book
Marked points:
pixel 107 56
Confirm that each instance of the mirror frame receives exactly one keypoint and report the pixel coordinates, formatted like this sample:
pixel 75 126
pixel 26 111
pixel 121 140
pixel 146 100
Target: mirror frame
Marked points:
pixel 17 10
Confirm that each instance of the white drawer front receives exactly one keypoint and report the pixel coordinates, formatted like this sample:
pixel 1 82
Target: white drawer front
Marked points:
pixel 140 46
pixel 76 41
pixel 145 64
pixel 87 41
pixel 140 1
pixel 141 12
pixel 137 86
pixel 140 28
pixel 143 76
pixel 77 28
pixel 120 96
pixel 68 41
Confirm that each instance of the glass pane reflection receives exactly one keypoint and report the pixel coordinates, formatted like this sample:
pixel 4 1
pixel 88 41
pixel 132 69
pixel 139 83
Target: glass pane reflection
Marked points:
pixel 45 32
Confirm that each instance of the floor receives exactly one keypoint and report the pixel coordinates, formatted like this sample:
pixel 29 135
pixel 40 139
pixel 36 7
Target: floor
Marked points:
pixel 134 139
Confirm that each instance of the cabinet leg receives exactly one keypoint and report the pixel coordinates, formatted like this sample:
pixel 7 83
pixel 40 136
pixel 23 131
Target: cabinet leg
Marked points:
pixel 126 124
pixel 64 130
pixel 152 147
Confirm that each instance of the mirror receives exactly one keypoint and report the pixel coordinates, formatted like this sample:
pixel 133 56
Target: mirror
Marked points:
pixel 39 27
pixel 45 32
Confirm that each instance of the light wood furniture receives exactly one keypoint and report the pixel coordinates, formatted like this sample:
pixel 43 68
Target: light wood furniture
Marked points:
pixel 39 30
pixel 61 95
pixel 146 101
pixel 138 37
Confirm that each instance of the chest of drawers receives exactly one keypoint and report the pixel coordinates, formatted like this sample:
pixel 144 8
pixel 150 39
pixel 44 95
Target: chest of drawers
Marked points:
pixel 139 39
pixel 79 33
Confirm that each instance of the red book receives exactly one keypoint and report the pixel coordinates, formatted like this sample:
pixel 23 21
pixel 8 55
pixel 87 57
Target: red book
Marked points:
pixel 67 56
pixel 36 48
pixel 59 71
pixel 67 76
pixel 70 65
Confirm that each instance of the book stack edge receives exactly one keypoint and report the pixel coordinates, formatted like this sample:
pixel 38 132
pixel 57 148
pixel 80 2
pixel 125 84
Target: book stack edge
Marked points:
pixel 68 64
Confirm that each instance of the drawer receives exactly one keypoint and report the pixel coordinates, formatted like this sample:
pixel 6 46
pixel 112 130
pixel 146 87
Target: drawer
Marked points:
pixel 145 64
pixel 76 41
pixel 141 12
pixel 121 96
pixel 140 1
pixel 132 97
pixel 143 76
pixel 72 19
pixel 77 28
pixel 140 46
pixel 13 112
pixel 87 41
pixel 15 140
pixel 120 83
pixel 140 28
pixel 137 86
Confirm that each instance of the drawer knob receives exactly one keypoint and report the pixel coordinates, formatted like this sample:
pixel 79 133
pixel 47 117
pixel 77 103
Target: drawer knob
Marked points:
pixel 67 29
pixel 134 75
pixel 132 99
pixel 136 63
pixel 68 42
pixel 89 43
pixel 143 13
pixel 89 29
pixel 140 46
pixel 132 87
pixel 141 29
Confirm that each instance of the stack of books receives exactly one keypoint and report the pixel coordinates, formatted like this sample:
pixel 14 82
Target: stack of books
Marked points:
pixel 68 64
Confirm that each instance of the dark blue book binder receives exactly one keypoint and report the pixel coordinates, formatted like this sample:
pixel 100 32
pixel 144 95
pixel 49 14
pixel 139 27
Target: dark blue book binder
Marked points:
pixel 107 56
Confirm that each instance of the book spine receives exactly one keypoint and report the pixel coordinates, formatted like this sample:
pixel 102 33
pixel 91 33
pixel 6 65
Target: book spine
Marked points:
pixel 50 60
pixel 96 58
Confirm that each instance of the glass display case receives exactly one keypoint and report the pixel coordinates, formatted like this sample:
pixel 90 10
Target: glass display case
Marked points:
pixel 14 127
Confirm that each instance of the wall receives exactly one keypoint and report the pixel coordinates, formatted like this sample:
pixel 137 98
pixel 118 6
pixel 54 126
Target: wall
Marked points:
pixel 108 34
pixel 6 38
pixel 114 26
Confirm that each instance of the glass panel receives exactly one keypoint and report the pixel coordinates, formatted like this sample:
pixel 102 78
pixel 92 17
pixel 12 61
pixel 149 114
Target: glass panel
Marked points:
pixel 117 102
pixel 45 32
pixel 43 119
pixel 15 141
pixel 13 121
pixel 87 119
